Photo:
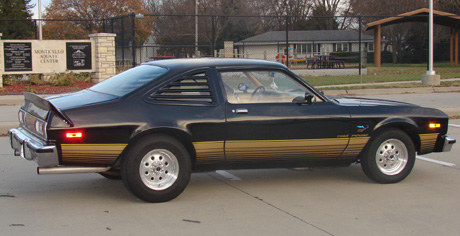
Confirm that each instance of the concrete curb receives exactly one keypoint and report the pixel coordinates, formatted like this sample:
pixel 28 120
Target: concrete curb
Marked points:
pixel 11 100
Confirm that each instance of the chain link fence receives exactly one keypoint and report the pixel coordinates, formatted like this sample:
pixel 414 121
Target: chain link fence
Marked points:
pixel 312 44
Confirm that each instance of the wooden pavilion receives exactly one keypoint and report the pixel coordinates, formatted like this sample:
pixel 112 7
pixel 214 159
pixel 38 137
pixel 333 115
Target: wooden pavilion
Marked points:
pixel 420 15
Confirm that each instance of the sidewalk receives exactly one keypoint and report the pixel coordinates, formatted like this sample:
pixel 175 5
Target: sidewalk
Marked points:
pixel 10 104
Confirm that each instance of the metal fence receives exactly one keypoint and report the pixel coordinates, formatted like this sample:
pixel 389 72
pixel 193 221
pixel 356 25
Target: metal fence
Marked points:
pixel 303 43
pixel 175 36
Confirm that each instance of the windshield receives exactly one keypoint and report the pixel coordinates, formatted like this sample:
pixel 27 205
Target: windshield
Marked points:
pixel 130 80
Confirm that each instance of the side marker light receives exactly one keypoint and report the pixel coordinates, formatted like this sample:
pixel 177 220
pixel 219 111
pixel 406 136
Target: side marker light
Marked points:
pixel 434 125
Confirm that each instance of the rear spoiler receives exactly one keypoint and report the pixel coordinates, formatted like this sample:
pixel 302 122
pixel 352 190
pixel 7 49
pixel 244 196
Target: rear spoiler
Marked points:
pixel 41 107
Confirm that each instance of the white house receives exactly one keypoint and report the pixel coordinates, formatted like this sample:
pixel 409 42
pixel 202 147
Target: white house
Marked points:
pixel 303 44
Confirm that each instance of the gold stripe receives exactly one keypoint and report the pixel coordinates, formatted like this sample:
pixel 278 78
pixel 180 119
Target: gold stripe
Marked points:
pixel 209 152
pixel 91 153
pixel 355 147
pixel 274 150
pixel 427 142
pixel 278 150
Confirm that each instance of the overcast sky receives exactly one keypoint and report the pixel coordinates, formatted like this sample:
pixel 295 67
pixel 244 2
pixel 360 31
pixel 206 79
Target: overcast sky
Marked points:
pixel 45 3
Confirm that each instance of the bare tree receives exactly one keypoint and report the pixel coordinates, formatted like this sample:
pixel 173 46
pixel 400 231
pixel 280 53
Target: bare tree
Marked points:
pixel 452 6
pixel 394 35
pixel 92 12
pixel 214 17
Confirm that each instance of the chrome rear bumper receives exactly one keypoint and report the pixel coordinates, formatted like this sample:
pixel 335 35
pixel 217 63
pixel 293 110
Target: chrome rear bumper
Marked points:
pixel 31 148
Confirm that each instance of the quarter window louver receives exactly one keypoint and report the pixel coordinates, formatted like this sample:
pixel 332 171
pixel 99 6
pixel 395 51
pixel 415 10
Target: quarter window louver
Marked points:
pixel 188 90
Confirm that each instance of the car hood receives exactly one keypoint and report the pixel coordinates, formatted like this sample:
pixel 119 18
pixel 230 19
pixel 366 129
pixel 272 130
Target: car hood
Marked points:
pixel 78 99
pixel 355 101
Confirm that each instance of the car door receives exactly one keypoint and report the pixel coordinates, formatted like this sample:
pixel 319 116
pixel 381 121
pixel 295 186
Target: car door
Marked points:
pixel 269 120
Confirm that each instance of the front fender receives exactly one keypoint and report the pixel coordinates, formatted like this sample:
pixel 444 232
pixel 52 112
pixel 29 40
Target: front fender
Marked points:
pixel 407 125
pixel 396 121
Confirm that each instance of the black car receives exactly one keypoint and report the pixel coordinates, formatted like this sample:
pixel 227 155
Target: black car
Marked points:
pixel 154 124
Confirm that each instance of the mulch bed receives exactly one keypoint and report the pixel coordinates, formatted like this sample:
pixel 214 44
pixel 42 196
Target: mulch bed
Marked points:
pixel 42 89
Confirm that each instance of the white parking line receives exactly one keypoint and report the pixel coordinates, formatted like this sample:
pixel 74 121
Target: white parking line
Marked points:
pixel 458 126
pixel 227 175
pixel 435 161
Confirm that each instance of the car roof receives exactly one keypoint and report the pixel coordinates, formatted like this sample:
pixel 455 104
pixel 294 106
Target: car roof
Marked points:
pixel 190 63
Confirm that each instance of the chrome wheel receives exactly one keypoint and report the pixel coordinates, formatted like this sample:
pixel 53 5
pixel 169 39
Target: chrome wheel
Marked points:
pixel 392 157
pixel 388 157
pixel 159 169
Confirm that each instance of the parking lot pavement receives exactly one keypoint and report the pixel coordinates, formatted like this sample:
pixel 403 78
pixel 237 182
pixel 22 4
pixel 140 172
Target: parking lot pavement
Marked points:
pixel 330 201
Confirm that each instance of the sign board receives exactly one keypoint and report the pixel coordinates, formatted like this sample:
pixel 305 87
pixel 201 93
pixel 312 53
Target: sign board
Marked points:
pixel 47 56
pixel 17 56
pixel 78 56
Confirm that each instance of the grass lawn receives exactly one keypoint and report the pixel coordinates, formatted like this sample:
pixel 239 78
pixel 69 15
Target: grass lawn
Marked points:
pixel 387 73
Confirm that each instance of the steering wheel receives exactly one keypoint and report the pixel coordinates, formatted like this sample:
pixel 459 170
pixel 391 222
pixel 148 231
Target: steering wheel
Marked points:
pixel 258 91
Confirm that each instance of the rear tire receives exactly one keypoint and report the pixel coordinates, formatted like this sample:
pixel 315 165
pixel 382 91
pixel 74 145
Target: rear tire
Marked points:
pixel 156 169
pixel 389 157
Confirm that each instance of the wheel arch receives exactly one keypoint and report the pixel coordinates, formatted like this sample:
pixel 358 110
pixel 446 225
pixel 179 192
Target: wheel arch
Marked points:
pixel 179 135
pixel 406 125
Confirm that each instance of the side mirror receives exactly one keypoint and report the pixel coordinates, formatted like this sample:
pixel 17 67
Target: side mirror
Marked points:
pixel 306 100
pixel 309 99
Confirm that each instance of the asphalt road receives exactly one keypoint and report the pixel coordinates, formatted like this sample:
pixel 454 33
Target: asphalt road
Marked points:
pixel 335 201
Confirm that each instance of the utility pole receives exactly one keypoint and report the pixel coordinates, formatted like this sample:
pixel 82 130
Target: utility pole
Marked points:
pixel 430 77
pixel 40 34
pixel 196 28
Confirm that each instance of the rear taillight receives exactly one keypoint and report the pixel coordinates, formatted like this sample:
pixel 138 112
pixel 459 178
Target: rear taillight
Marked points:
pixel 40 127
pixel 21 116
pixel 73 135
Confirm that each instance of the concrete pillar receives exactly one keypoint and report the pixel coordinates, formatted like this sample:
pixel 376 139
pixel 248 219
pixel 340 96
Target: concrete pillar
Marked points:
pixel 105 56
pixel 433 80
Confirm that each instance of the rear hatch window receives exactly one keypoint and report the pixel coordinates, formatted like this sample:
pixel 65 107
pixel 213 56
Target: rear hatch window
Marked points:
pixel 130 80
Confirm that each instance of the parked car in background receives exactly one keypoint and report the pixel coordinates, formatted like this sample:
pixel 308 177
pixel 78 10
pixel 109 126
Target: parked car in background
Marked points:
pixel 155 124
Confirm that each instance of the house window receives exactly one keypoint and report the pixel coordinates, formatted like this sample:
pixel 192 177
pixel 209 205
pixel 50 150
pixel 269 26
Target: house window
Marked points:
pixel 305 48
pixel 341 47
pixel 301 48
pixel 370 47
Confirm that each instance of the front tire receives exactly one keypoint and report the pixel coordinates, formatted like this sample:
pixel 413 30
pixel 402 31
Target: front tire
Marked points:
pixel 157 169
pixel 389 157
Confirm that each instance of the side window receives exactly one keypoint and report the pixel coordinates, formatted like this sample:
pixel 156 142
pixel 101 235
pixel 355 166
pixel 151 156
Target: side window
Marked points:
pixel 190 89
pixel 261 86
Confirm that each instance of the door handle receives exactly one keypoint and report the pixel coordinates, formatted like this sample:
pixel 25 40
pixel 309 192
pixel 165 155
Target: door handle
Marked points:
pixel 240 111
